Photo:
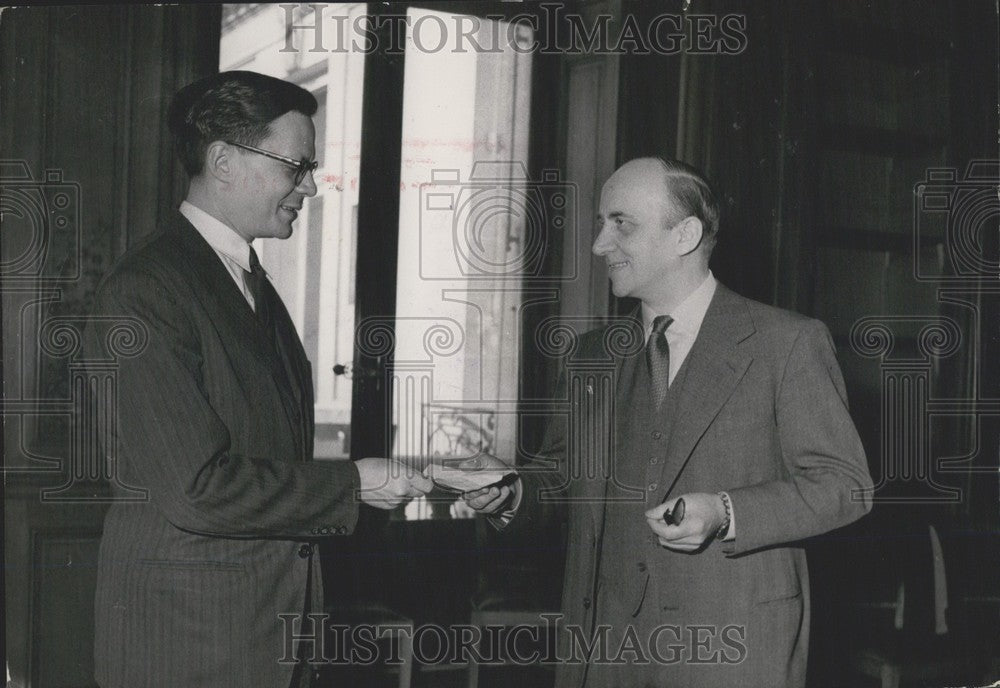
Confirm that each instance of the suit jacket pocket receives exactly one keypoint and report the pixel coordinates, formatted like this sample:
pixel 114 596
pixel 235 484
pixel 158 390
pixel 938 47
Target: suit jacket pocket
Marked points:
pixel 668 595
pixel 777 576
pixel 191 564
pixel 199 610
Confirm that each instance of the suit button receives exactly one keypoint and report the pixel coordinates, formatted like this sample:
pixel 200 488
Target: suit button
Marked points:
pixel 641 566
pixel 305 551
pixel 653 460
pixel 652 487
pixel 656 434
pixel 586 603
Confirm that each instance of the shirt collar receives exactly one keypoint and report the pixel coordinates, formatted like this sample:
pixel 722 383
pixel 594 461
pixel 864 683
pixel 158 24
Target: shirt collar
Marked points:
pixel 691 311
pixel 220 236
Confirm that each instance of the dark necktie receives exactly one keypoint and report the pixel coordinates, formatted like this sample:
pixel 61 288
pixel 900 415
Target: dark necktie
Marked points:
pixel 658 360
pixel 276 338
pixel 255 280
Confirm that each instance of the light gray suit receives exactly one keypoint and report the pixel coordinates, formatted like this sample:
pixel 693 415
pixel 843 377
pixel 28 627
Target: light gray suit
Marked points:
pixel 761 413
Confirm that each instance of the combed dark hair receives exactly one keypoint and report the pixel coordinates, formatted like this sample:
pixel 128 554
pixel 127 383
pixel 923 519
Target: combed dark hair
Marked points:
pixel 693 196
pixel 233 106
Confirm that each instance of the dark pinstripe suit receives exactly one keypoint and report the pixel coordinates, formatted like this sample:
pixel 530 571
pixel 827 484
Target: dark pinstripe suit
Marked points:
pixel 217 426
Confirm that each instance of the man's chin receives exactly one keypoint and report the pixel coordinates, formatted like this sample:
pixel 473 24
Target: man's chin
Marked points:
pixel 283 231
pixel 619 290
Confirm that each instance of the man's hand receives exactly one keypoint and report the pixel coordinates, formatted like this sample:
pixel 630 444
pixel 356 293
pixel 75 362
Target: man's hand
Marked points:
pixel 385 484
pixel 490 499
pixel 703 516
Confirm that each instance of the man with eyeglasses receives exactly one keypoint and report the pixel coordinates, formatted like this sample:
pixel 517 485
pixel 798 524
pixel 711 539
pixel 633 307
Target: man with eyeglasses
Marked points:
pixel 214 417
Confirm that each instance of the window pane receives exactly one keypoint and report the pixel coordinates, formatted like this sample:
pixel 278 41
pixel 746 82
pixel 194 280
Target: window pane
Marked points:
pixel 465 123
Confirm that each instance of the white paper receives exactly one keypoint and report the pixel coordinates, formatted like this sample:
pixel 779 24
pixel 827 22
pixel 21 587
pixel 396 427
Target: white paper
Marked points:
pixel 466 481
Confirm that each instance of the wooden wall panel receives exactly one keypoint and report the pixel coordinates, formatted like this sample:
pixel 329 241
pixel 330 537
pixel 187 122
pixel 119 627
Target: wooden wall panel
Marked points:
pixel 82 101
pixel 591 85
pixel 62 606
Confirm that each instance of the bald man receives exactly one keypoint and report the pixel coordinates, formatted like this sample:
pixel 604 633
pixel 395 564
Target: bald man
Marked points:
pixel 736 407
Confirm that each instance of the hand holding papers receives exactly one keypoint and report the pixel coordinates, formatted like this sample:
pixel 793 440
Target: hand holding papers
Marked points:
pixel 486 482
pixel 466 480
pixel 385 484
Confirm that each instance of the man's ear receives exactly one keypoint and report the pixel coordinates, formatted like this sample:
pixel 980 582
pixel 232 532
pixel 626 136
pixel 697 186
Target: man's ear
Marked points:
pixel 689 234
pixel 219 161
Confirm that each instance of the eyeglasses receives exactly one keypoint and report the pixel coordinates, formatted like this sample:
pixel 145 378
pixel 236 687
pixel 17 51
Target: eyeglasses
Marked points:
pixel 301 167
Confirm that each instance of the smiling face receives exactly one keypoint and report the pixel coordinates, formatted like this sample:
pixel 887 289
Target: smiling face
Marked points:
pixel 638 237
pixel 263 199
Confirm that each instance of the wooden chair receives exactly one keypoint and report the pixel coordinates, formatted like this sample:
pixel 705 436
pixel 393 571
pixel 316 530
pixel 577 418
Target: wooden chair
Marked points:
pixel 399 629
pixel 923 643
pixel 514 589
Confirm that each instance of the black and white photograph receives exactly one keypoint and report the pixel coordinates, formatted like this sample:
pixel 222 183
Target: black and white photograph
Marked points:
pixel 595 344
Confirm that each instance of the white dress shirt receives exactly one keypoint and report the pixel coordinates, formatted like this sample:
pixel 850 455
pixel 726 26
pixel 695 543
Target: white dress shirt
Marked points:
pixel 688 317
pixel 232 249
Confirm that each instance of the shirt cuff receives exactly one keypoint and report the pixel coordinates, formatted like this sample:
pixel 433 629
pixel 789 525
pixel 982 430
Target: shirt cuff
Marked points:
pixel 730 533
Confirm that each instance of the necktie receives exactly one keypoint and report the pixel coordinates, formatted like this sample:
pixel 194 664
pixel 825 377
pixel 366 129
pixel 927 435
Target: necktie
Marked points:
pixel 277 339
pixel 658 360
pixel 255 279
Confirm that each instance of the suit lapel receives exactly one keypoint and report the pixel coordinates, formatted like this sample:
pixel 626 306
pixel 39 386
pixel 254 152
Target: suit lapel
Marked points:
pixel 228 309
pixel 219 293
pixel 715 367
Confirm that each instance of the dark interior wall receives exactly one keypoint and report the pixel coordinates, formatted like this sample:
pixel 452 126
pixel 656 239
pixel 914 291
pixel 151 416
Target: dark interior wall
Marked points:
pixel 725 112
pixel 87 171
pixel 817 136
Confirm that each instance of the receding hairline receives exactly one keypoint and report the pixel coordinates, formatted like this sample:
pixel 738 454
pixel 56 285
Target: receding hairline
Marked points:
pixel 681 189
pixel 658 166
pixel 641 171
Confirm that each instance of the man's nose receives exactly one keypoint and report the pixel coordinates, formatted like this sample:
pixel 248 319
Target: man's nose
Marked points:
pixel 307 187
pixel 602 244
